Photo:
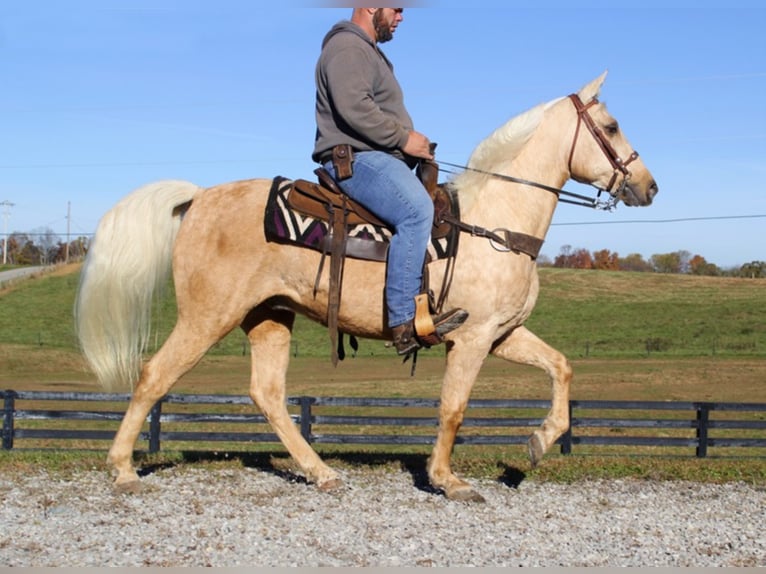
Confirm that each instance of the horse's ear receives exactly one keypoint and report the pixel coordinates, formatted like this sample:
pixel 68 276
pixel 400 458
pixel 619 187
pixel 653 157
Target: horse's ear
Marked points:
pixel 592 90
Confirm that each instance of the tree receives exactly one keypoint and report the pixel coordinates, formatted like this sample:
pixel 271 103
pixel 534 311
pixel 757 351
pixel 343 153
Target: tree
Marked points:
pixel 46 244
pixel 577 259
pixel 683 259
pixel 79 247
pixel 676 262
pixel 635 262
pixel 606 260
pixel 16 243
pixel 27 253
pixel 699 266
pixel 753 270
pixel 77 250
pixel 563 257
pixel 583 259
pixel 544 261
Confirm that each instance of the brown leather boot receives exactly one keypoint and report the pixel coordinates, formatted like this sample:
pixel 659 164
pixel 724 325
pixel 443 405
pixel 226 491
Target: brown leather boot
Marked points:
pixel 407 341
pixel 404 338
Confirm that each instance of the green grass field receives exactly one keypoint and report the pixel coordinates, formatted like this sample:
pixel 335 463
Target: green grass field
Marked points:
pixel 583 313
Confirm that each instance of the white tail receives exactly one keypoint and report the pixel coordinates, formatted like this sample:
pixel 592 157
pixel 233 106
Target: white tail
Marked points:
pixel 128 262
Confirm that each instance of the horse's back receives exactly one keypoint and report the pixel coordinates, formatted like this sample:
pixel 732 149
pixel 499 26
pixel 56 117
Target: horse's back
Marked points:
pixel 234 197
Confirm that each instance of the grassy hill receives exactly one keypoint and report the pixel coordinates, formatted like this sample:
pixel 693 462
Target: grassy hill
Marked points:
pixel 603 313
pixel 580 312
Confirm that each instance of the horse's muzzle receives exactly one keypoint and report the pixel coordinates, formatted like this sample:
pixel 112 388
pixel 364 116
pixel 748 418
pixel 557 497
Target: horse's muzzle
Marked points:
pixel 637 194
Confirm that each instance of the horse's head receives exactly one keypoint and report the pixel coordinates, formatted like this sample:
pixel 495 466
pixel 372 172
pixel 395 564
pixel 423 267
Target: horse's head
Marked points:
pixel 601 155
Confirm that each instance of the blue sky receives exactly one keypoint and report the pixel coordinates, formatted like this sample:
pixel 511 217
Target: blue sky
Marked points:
pixel 100 97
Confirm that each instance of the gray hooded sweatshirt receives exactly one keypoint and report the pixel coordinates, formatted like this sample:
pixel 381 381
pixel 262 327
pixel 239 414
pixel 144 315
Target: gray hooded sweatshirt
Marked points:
pixel 358 99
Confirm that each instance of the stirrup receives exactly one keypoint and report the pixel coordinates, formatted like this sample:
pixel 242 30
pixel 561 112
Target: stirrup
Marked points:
pixel 429 329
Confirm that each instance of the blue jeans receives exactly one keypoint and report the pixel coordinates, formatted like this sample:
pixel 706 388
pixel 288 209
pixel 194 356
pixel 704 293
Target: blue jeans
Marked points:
pixel 391 190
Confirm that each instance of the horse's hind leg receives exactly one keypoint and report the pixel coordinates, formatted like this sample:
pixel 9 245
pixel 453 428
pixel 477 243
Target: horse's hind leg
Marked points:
pixel 523 346
pixel 182 350
pixel 269 331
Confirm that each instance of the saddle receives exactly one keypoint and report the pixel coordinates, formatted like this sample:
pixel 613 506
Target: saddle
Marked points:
pixel 325 201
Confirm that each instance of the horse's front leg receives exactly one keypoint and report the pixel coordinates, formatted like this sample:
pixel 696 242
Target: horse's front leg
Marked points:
pixel 523 346
pixel 269 332
pixel 464 361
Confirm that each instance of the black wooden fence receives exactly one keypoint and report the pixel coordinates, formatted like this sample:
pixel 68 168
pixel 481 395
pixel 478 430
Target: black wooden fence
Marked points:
pixel 179 419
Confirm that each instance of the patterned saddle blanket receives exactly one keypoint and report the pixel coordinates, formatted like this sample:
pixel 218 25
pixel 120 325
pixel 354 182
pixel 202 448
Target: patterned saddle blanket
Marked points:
pixel 368 241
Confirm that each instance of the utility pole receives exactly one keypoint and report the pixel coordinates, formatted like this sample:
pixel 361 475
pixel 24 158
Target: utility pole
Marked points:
pixel 6 214
pixel 68 222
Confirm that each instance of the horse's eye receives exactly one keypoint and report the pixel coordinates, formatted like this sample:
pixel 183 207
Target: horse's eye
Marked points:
pixel 612 129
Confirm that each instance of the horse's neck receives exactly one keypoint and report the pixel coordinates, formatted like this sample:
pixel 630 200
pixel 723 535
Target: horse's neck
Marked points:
pixel 496 203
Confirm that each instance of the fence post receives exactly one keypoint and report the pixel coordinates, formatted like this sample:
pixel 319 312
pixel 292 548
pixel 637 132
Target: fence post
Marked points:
pixel 155 427
pixel 306 403
pixel 9 408
pixel 703 417
pixel 566 438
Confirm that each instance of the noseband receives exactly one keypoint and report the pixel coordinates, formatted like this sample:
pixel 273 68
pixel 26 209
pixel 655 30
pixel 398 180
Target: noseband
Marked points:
pixel 611 154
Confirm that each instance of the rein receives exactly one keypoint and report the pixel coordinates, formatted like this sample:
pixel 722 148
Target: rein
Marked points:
pixel 584 200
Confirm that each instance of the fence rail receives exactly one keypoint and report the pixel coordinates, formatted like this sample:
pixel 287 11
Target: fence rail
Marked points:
pixel 345 420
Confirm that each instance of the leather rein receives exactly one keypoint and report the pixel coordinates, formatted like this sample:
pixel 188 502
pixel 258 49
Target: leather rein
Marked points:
pixel 619 166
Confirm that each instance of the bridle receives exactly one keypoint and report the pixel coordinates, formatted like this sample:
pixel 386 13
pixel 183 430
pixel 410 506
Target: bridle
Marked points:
pixel 611 154
pixel 618 165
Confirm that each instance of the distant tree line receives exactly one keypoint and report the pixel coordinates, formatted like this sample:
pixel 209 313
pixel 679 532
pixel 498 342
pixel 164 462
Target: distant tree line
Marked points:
pixel 42 247
pixel 675 262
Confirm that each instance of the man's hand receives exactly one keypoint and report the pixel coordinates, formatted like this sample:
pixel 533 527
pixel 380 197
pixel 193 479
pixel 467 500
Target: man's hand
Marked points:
pixel 418 146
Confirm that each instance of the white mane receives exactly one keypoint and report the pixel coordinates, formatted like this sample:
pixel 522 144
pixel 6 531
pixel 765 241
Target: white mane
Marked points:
pixel 502 145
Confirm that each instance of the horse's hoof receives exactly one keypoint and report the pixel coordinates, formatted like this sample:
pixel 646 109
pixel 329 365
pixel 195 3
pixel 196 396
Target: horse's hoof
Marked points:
pixel 330 485
pixel 465 494
pixel 129 487
pixel 536 451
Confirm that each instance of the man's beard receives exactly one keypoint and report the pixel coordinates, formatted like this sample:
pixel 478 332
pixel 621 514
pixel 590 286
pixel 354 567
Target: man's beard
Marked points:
pixel 382 29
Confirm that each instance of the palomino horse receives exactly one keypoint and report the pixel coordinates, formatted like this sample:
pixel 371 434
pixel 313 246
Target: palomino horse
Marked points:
pixel 246 281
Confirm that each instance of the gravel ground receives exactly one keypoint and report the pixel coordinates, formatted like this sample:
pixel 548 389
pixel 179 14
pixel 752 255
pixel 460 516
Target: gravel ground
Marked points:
pixel 249 517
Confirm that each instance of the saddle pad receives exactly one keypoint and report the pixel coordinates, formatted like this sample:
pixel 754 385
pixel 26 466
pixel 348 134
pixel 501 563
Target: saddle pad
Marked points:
pixel 366 241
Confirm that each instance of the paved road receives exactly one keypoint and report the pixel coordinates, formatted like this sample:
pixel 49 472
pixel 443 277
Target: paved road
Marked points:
pixel 19 272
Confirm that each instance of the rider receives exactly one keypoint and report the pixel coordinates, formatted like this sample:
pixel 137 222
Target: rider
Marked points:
pixel 360 107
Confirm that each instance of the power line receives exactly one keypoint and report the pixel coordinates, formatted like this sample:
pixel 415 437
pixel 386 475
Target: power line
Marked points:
pixel 572 224
pixel 679 220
